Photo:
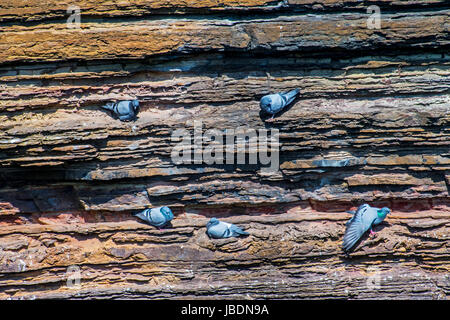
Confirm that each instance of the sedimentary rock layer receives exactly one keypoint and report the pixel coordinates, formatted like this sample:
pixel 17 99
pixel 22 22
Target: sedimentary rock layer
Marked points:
pixel 371 125
pixel 34 10
pixel 144 38
pixel 292 255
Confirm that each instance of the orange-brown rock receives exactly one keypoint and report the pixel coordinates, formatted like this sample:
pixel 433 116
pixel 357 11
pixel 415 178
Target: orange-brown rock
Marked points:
pixel 144 38
pixel 34 10
pixel 371 125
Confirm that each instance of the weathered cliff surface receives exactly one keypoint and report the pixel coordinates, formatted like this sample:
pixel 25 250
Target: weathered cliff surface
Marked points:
pixel 371 125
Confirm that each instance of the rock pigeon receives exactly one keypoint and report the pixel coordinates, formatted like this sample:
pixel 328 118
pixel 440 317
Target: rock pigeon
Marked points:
pixel 218 229
pixel 124 110
pixel 157 217
pixel 274 103
pixel 363 219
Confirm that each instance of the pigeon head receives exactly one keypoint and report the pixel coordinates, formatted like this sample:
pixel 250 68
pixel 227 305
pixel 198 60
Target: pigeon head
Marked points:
pixel 167 213
pixel 135 104
pixel 265 103
pixel 212 222
pixel 383 212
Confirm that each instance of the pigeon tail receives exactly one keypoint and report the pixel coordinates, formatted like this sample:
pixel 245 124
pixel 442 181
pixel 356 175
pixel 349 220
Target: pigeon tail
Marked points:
pixel 290 95
pixel 239 231
pixel 109 106
pixel 139 215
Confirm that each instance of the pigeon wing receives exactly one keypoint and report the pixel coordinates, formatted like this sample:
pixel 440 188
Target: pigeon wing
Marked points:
pixel 219 230
pixel 370 217
pixel 233 231
pixel 157 218
pixel 353 212
pixel 124 108
pixel 126 117
pixel 356 227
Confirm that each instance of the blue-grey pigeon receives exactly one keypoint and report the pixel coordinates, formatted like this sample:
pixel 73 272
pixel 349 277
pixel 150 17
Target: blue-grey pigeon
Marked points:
pixel 274 103
pixel 157 217
pixel 363 219
pixel 124 110
pixel 218 229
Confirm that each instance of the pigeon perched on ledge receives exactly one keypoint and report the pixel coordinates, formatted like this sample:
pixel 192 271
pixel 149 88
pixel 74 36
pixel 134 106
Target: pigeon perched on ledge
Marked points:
pixel 364 218
pixel 157 217
pixel 274 103
pixel 218 229
pixel 123 110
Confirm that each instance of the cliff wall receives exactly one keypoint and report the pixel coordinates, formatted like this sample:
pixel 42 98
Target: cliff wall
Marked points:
pixel 371 125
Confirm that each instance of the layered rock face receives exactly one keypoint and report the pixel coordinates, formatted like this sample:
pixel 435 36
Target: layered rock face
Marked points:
pixel 371 125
